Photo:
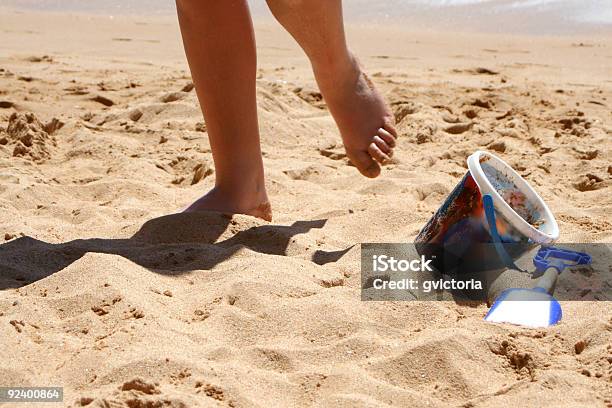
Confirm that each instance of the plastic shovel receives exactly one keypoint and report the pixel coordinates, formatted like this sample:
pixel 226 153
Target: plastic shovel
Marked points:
pixel 537 307
pixel 529 307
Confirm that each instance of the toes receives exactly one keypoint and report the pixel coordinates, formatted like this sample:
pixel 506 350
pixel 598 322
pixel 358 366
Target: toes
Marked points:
pixel 383 146
pixel 389 126
pixel 365 164
pixel 377 154
pixel 387 137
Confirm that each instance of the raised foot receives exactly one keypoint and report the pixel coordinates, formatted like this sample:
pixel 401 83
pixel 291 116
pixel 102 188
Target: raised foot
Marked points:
pixel 364 119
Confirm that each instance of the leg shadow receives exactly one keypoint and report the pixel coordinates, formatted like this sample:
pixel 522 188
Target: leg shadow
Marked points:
pixel 172 244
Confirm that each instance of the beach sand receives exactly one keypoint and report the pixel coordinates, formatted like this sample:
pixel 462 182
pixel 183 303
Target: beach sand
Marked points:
pixel 104 292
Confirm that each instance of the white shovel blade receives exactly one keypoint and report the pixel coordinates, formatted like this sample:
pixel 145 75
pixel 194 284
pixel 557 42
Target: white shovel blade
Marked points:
pixel 525 307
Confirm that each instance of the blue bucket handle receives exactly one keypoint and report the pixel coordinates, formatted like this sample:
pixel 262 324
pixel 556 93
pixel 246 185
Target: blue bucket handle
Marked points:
pixel 489 209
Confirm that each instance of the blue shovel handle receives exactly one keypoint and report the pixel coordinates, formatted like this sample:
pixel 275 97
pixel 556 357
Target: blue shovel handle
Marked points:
pixel 489 209
pixel 559 258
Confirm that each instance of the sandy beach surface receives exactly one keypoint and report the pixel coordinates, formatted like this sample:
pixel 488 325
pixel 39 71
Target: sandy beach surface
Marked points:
pixel 109 292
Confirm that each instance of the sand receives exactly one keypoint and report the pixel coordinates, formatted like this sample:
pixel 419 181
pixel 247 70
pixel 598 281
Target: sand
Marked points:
pixel 107 291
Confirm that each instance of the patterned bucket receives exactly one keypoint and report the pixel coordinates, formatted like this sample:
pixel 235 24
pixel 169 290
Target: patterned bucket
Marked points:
pixel 458 237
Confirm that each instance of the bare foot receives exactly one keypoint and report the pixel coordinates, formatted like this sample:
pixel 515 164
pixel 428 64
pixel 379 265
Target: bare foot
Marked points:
pixel 231 201
pixel 365 121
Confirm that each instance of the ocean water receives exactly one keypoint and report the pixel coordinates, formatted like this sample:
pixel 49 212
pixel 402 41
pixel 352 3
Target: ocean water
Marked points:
pixel 521 16
pixel 531 16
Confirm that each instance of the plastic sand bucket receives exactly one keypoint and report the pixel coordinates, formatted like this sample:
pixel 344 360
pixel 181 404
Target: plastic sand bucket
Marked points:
pixel 489 220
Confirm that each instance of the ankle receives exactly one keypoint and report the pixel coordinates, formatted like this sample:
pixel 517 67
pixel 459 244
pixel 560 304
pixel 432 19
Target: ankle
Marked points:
pixel 331 70
pixel 246 193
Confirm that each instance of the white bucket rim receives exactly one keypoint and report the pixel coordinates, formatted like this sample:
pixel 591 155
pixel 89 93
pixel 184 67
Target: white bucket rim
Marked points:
pixel 485 187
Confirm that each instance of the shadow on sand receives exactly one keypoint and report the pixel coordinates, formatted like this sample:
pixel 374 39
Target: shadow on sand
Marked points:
pixel 171 245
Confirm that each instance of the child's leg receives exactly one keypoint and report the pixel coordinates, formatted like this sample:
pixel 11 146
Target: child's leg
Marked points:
pixel 364 119
pixel 220 47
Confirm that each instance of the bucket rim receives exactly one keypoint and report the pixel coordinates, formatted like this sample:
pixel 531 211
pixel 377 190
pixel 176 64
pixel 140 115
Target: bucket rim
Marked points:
pixel 522 225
